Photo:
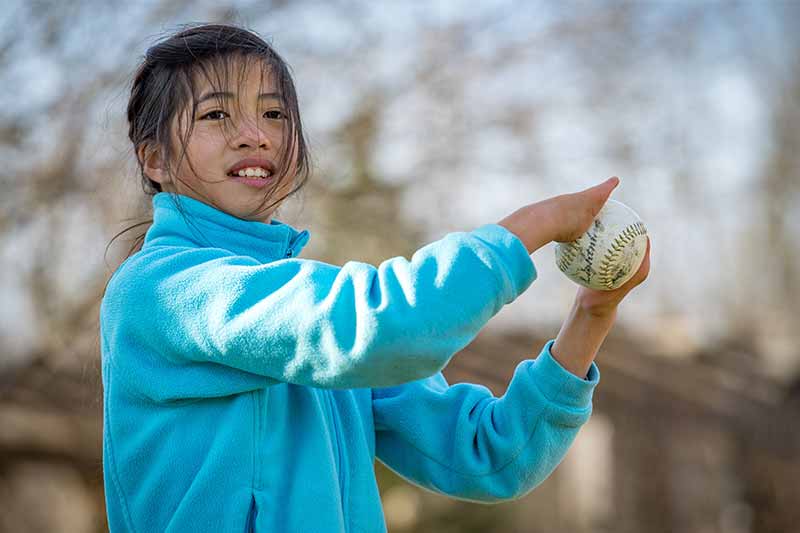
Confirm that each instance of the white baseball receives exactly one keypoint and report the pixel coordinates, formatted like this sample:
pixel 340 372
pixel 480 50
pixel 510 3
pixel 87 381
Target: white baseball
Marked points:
pixel 609 253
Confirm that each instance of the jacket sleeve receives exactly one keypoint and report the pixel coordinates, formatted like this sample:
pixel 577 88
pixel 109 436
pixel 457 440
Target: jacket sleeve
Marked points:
pixel 462 441
pixel 307 322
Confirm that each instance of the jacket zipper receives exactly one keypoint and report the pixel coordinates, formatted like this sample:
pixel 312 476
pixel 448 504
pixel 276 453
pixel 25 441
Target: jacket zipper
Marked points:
pixel 300 237
pixel 337 437
pixel 257 425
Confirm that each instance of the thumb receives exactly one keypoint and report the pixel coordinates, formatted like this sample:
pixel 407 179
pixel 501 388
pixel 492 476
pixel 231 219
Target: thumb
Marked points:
pixel 609 185
pixel 601 192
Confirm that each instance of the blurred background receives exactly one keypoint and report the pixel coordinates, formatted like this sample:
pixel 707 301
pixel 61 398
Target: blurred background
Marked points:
pixel 431 117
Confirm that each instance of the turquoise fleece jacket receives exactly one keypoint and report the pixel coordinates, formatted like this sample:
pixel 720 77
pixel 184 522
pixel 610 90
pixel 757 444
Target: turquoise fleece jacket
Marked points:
pixel 247 389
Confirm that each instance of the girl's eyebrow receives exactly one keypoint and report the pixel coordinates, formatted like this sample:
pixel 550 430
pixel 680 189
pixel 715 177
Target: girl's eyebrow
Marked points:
pixel 262 96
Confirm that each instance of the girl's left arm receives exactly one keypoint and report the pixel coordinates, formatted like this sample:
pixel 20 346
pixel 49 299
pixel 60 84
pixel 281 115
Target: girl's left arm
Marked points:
pixel 462 441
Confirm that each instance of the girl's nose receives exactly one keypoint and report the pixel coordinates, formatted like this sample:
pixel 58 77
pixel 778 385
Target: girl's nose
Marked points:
pixel 249 134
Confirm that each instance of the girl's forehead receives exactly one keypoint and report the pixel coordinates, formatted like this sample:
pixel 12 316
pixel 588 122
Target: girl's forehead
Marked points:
pixel 232 76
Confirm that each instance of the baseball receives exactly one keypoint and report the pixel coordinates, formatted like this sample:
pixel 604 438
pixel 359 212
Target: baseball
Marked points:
pixel 609 253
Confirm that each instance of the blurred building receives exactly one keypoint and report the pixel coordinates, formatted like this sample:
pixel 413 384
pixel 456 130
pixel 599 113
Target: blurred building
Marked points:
pixel 702 445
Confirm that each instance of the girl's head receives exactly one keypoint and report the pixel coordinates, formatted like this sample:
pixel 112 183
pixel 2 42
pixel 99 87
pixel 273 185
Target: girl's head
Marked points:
pixel 204 99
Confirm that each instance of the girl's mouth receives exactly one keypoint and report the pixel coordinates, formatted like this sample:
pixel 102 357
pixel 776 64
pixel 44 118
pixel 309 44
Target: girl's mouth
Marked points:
pixel 253 176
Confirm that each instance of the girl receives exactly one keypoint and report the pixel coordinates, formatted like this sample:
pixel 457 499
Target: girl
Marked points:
pixel 246 389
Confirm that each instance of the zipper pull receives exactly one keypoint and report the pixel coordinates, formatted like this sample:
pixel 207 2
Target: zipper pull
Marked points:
pixel 300 240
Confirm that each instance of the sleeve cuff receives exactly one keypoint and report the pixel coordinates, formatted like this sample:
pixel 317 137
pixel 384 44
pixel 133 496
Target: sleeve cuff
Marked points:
pixel 519 262
pixel 560 385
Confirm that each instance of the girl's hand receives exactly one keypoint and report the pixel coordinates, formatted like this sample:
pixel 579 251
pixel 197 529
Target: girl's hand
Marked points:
pixel 561 218
pixel 604 303
pixel 591 318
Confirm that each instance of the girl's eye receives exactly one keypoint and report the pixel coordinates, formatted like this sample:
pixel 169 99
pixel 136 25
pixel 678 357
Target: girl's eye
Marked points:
pixel 211 113
pixel 275 114
pixel 280 114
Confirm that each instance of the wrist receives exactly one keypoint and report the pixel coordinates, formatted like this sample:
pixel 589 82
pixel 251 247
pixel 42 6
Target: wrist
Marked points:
pixel 596 306
pixel 580 338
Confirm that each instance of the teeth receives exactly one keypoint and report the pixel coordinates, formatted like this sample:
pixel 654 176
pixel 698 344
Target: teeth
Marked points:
pixel 254 172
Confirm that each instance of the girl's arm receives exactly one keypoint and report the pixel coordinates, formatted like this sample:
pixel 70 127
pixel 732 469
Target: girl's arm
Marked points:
pixel 182 321
pixel 462 441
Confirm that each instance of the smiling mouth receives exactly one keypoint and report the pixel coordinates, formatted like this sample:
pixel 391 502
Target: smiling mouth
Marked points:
pixel 252 174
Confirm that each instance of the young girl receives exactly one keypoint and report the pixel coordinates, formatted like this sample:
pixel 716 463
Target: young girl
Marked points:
pixel 247 389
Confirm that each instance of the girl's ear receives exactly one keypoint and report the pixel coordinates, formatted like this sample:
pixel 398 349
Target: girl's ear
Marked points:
pixel 152 163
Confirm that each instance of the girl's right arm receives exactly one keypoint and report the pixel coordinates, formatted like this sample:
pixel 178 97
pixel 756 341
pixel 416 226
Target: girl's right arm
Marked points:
pixel 182 322
pixel 303 321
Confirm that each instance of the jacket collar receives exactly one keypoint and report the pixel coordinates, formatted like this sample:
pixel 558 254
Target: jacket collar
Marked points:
pixel 207 226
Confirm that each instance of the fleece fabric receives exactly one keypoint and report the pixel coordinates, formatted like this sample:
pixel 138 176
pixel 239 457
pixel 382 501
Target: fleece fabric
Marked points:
pixel 248 389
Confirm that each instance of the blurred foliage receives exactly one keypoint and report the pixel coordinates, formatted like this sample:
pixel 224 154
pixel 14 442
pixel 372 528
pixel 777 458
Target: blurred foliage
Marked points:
pixel 496 103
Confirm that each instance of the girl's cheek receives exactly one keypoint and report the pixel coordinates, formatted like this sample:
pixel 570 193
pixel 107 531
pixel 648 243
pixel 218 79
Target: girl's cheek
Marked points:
pixel 205 133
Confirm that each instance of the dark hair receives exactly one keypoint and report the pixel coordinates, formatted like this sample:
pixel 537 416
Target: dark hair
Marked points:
pixel 164 86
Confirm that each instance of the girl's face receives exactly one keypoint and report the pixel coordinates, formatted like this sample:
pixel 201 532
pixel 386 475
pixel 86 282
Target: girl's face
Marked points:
pixel 248 123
